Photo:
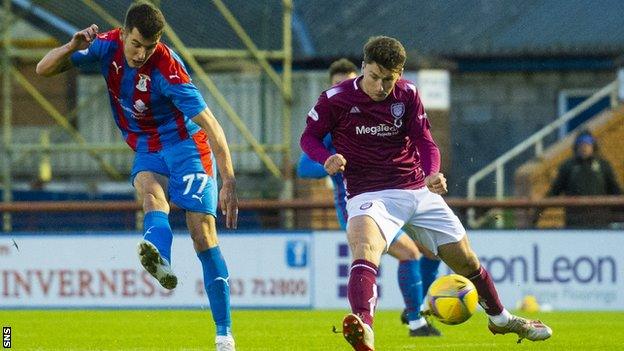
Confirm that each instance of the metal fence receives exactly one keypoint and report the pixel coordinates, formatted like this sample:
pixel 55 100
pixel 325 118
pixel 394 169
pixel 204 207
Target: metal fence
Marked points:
pixel 306 213
pixel 255 100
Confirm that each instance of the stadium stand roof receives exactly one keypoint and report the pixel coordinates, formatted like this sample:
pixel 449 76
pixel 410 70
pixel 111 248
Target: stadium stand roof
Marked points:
pixel 325 29
pixel 471 28
pixel 197 23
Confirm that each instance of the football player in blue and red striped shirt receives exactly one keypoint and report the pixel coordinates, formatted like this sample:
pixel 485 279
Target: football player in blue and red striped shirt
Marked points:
pixel 164 119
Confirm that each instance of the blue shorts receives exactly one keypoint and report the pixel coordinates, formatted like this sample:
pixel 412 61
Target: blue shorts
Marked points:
pixel 191 169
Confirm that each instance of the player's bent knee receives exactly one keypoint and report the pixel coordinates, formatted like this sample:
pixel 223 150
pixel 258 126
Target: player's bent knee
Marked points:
pixel 366 251
pixel 204 241
pixel 466 266
pixel 404 249
pixel 403 254
pixel 472 262
pixel 203 230
pixel 152 202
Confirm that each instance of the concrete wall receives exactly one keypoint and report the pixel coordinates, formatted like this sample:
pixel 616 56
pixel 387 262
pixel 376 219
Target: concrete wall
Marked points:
pixel 493 112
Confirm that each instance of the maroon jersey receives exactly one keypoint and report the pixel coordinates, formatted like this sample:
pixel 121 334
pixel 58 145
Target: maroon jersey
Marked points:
pixel 387 144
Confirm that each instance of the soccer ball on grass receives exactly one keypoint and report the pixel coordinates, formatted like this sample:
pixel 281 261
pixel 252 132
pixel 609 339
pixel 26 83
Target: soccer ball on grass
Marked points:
pixel 452 299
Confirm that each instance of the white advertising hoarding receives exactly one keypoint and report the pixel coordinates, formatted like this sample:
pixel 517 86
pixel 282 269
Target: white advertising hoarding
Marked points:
pixel 266 270
pixel 332 261
pixel 569 270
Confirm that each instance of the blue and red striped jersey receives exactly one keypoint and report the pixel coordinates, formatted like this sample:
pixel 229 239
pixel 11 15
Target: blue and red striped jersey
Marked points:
pixel 152 104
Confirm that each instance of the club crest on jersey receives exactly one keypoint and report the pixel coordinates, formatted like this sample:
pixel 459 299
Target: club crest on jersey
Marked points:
pixel 397 109
pixel 139 106
pixel 142 84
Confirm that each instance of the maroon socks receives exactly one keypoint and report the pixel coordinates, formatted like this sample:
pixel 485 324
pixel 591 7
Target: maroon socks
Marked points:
pixel 488 297
pixel 362 290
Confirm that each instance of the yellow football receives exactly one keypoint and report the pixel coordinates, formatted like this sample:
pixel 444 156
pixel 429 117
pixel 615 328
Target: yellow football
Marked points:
pixel 452 299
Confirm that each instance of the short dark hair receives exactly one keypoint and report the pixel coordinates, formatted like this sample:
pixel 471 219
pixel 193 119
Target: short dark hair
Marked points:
pixel 146 18
pixel 386 52
pixel 342 66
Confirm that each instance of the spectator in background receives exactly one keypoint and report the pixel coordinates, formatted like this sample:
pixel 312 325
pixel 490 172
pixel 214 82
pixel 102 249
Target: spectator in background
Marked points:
pixel 416 272
pixel 585 174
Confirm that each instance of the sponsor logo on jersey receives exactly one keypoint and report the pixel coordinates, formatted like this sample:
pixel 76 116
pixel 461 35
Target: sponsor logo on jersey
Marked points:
pixel 124 106
pixel 142 84
pixel 378 130
pixel 355 109
pixel 313 114
pixel 139 106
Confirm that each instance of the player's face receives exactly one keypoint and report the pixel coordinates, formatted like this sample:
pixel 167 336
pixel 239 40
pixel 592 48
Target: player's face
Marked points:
pixel 138 49
pixel 378 81
pixel 341 77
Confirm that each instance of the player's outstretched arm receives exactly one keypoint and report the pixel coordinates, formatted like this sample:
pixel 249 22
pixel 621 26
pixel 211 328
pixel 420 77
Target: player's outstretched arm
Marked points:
pixel 227 196
pixel 57 59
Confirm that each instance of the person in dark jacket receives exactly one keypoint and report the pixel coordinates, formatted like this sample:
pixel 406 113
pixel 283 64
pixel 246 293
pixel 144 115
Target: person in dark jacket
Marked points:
pixel 586 174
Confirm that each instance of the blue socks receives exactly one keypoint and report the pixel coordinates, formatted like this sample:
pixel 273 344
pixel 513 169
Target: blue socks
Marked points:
pixel 158 232
pixel 411 287
pixel 428 272
pixel 217 288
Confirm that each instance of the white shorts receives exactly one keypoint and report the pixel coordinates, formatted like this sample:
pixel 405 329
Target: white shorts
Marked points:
pixel 423 215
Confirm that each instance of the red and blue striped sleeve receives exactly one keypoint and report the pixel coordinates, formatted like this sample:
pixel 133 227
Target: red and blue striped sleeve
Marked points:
pixel 186 97
pixel 92 54
pixel 176 85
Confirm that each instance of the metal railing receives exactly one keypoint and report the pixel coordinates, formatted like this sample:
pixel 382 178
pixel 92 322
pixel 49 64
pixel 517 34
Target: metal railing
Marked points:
pixel 308 213
pixel 535 141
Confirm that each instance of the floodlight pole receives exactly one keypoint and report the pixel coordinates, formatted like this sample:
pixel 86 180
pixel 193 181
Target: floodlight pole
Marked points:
pixel 288 191
pixel 6 114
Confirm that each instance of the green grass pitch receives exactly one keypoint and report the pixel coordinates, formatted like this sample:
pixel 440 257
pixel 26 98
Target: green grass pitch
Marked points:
pixel 288 330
